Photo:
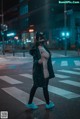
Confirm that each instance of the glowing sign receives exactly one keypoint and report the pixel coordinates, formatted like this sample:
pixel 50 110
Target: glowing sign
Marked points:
pixel 31 30
pixel 10 34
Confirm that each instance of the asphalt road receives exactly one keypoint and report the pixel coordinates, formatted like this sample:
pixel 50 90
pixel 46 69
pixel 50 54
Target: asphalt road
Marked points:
pixel 16 82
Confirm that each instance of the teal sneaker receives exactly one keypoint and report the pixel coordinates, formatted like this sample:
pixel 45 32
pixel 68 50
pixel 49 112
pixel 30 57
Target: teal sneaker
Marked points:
pixel 50 105
pixel 32 106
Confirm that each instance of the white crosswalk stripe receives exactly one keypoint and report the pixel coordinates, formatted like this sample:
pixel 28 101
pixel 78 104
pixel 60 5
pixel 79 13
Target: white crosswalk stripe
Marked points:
pixel 26 75
pixel 73 83
pixel 67 63
pixel 21 95
pixel 28 59
pixel 53 62
pixel 64 63
pixel 70 72
pixel 77 68
pixel 63 93
pixel 58 91
pixel 77 62
pixel 61 76
pixel 10 80
pixel 24 96
pixel 2 60
pixel 56 75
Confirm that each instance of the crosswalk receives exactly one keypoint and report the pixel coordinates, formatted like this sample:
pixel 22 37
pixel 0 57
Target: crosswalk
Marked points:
pixel 66 63
pixel 70 72
pixel 23 96
pixel 62 92
pixel 77 69
pixel 21 60
pixel 56 75
pixel 10 80
pixel 77 62
pixel 73 83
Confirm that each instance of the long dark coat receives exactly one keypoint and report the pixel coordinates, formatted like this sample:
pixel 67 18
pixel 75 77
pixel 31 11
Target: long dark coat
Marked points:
pixel 38 76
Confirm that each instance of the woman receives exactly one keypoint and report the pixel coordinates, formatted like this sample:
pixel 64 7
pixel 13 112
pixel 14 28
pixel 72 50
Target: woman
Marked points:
pixel 42 71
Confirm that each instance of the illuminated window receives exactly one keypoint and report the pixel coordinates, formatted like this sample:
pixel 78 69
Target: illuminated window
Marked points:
pixel 24 10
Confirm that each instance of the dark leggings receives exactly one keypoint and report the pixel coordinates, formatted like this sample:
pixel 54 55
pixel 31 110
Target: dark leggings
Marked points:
pixel 45 92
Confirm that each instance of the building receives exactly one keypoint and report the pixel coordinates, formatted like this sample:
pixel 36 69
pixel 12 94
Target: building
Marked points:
pixel 60 22
pixel 54 18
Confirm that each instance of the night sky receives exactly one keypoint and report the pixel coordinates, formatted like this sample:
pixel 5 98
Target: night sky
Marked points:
pixel 11 3
pixel 8 4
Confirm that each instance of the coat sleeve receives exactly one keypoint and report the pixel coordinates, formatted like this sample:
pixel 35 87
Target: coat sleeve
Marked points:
pixel 43 52
pixel 35 53
pixel 32 51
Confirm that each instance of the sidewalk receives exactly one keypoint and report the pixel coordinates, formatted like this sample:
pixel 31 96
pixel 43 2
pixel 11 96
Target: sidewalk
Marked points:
pixel 61 53
pixel 55 54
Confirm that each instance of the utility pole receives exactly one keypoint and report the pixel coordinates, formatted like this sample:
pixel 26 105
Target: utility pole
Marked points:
pixel 65 27
pixel 2 26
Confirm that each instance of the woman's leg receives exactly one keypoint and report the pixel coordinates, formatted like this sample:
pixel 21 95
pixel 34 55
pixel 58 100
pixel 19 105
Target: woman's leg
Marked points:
pixel 46 94
pixel 32 92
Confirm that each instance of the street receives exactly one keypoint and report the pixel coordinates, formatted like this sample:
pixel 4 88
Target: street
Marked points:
pixel 64 89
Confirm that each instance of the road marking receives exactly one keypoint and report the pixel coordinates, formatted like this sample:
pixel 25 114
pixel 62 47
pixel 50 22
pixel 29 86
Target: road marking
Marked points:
pixel 74 83
pixel 62 92
pixel 2 60
pixel 61 76
pixel 26 75
pixel 21 95
pixel 56 54
pixel 53 62
pixel 77 68
pixel 56 75
pixel 64 63
pixel 10 80
pixel 70 72
pixel 77 62
pixel 58 91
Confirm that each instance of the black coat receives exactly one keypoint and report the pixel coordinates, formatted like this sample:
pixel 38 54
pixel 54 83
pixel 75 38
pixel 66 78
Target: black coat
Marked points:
pixel 38 76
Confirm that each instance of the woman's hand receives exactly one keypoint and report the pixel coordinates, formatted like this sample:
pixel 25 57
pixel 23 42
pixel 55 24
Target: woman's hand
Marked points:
pixel 40 61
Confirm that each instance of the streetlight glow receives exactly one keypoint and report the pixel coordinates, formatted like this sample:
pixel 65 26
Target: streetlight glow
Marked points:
pixel 63 34
pixel 67 34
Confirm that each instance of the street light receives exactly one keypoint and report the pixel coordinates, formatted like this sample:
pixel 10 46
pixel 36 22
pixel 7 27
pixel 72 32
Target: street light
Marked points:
pixel 65 24
pixel 2 31
pixel 65 34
